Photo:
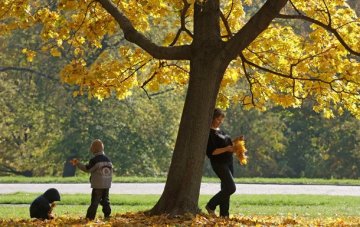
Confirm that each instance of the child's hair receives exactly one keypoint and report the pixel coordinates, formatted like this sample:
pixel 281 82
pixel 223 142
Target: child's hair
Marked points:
pixel 97 146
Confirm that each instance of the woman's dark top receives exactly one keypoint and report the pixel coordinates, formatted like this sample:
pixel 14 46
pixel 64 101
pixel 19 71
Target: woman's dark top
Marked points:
pixel 219 139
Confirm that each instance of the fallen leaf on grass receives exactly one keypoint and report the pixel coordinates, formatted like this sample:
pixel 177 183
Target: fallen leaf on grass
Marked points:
pixel 140 219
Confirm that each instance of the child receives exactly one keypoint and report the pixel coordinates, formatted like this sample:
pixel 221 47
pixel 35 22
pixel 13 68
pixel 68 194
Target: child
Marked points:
pixel 42 206
pixel 101 170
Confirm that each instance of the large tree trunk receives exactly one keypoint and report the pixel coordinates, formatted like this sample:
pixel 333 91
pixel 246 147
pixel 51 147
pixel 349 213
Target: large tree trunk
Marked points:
pixel 182 187
pixel 181 191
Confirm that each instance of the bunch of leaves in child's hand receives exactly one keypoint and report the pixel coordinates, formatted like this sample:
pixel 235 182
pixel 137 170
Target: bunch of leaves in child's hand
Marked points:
pixel 240 150
pixel 141 219
pixel 74 161
pixel 50 214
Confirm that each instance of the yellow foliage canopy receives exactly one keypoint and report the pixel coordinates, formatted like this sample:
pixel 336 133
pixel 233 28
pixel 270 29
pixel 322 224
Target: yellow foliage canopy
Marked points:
pixel 311 51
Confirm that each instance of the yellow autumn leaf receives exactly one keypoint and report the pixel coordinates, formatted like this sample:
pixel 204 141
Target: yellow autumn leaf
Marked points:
pixel 55 52
pixel 29 54
pixel 75 93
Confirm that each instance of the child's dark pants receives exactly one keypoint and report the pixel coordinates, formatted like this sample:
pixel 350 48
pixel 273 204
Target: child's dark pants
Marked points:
pixel 99 196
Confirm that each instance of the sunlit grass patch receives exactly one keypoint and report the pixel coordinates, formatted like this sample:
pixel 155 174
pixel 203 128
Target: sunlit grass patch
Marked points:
pixel 312 206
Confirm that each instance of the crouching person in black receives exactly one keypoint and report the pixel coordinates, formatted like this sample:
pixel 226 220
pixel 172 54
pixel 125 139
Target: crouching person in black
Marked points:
pixel 43 205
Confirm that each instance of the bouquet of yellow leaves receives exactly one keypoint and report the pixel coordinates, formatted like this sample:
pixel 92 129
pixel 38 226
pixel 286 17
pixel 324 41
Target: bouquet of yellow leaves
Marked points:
pixel 240 150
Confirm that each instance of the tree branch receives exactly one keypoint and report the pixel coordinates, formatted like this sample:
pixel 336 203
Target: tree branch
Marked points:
pixel 183 23
pixel 166 64
pixel 37 73
pixel 10 68
pixel 252 29
pixel 151 77
pixel 226 24
pixel 326 27
pixel 135 70
pixel 161 92
pixel 134 36
pixel 7 10
pixel 248 79
pixel 231 9
pixel 328 13
pixel 293 5
pixel 8 169
pixel 291 76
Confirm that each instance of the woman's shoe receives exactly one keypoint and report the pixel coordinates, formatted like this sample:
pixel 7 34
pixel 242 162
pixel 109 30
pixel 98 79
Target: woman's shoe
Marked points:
pixel 210 211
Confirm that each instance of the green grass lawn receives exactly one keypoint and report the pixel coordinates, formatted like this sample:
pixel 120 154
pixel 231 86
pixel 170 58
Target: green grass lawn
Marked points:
pixel 17 205
pixel 125 179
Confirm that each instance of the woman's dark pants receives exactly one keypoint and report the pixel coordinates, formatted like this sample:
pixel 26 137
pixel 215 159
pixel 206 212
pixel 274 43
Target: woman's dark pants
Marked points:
pixel 99 196
pixel 225 172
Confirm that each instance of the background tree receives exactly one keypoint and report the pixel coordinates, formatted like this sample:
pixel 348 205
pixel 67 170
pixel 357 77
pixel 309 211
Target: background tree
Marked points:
pixel 319 147
pixel 294 142
pixel 274 62
pixel 28 120
pixel 43 125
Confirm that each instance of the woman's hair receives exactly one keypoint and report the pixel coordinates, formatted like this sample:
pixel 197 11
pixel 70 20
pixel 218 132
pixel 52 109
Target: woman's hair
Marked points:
pixel 218 113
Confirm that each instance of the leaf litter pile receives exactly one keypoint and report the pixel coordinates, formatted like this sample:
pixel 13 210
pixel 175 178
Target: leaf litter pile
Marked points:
pixel 140 219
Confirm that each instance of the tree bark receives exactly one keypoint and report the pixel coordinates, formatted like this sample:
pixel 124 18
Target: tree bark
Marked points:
pixel 134 36
pixel 182 187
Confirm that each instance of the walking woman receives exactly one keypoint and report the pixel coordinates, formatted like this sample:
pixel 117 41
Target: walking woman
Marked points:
pixel 220 152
